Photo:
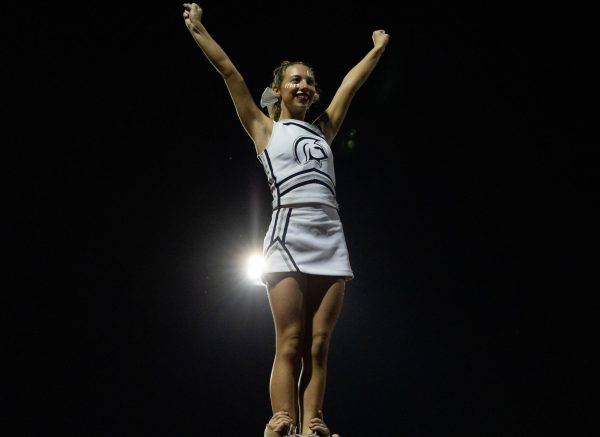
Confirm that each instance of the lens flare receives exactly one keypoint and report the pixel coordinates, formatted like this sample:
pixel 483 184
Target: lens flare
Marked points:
pixel 254 268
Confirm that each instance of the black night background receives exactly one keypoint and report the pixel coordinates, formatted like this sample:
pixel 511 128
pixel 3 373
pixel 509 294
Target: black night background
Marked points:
pixel 465 173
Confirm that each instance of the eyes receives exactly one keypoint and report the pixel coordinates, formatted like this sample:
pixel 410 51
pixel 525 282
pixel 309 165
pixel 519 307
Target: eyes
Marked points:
pixel 297 79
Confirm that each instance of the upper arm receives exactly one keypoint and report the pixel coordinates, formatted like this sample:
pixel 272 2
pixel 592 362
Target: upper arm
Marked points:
pixel 330 121
pixel 255 122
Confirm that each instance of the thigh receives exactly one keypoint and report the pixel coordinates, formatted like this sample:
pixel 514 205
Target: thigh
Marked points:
pixel 326 297
pixel 287 298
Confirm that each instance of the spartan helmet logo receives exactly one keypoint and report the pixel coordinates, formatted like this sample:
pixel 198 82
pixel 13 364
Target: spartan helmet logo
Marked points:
pixel 308 149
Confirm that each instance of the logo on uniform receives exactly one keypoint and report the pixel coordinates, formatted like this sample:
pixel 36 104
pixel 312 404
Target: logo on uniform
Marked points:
pixel 308 149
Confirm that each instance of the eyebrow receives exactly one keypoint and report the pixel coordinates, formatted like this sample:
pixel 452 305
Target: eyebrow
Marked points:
pixel 295 76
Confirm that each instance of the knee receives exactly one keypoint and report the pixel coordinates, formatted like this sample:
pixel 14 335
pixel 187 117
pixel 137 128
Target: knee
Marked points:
pixel 320 347
pixel 289 347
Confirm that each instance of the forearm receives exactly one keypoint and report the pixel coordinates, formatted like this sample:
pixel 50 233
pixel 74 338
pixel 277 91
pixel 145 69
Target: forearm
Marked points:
pixel 213 51
pixel 361 71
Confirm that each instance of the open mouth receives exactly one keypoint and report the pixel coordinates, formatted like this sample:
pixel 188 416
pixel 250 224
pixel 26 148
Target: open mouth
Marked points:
pixel 304 98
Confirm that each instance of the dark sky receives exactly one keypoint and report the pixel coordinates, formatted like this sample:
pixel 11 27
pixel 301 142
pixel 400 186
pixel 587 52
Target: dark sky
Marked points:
pixel 466 197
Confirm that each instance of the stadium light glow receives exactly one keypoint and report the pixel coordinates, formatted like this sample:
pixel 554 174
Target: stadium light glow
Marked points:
pixel 254 268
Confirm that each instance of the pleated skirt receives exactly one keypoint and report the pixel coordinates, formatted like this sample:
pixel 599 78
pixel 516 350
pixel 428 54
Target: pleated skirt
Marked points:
pixel 307 238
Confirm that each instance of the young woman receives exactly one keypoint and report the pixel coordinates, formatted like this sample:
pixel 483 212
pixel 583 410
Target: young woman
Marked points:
pixel 307 261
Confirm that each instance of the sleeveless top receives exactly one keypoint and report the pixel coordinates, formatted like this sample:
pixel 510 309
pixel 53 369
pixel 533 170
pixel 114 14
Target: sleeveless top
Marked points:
pixel 299 165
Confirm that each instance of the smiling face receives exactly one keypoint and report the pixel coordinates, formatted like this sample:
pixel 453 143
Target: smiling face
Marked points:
pixel 298 90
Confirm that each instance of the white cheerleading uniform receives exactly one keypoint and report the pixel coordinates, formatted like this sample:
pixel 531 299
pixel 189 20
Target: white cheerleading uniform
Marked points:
pixel 305 234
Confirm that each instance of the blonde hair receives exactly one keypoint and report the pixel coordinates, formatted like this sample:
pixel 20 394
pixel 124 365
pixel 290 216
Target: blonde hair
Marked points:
pixel 278 75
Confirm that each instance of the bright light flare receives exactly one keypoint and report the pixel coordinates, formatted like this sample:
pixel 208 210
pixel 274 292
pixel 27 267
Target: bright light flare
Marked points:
pixel 254 268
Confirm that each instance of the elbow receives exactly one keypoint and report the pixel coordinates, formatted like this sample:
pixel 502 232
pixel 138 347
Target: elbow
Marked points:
pixel 229 72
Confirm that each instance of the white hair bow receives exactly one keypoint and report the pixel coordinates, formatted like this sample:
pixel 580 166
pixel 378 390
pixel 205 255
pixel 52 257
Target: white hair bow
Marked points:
pixel 268 99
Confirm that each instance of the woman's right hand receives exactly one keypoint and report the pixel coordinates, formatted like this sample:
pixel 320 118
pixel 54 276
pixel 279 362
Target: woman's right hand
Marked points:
pixel 192 15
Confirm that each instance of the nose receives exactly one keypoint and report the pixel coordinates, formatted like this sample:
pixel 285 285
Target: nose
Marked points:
pixel 303 84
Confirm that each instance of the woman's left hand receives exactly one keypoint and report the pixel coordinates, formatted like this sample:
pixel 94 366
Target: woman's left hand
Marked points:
pixel 380 38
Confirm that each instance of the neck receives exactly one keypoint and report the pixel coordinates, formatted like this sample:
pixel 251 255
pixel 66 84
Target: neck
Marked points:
pixel 301 115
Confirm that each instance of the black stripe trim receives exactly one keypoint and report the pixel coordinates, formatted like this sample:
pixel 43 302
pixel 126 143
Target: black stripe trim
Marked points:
pixel 319 134
pixel 312 181
pixel 291 257
pixel 274 178
pixel 305 171
pixel 287 222
pixel 284 247
pixel 274 226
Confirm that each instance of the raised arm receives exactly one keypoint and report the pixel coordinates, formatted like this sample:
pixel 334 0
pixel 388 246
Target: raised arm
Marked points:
pixel 331 120
pixel 255 122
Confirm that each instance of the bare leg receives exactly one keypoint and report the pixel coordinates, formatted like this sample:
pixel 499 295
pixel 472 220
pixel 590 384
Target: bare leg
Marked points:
pixel 324 305
pixel 287 298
